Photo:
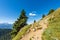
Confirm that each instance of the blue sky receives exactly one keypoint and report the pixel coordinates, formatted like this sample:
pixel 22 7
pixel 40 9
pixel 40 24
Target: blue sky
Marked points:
pixel 10 9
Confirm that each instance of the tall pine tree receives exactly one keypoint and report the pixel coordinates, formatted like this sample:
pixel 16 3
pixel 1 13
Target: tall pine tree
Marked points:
pixel 21 22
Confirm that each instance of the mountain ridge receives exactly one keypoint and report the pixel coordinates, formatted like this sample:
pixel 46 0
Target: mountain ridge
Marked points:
pixel 6 26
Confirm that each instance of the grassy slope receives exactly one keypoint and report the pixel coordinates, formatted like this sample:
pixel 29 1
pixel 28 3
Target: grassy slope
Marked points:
pixel 53 30
pixel 21 32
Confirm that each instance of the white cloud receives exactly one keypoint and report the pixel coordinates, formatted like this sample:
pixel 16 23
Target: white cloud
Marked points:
pixel 32 14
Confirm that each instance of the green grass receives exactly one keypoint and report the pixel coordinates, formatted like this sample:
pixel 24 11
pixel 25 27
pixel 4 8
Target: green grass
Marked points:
pixel 53 30
pixel 21 32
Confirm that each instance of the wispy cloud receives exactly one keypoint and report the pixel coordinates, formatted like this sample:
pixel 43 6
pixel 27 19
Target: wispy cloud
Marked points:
pixel 32 13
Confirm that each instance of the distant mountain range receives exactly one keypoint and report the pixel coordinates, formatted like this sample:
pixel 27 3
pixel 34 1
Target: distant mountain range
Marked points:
pixel 5 26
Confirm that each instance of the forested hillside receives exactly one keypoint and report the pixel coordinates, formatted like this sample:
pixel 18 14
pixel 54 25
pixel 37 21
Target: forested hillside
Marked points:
pixel 5 34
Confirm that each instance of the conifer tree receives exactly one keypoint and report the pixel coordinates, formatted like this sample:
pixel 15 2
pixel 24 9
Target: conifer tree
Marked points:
pixel 43 16
pixel 51 11
pixel 34 21
pixel 21 22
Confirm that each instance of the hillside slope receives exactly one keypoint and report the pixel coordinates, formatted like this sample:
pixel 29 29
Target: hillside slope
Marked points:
pixel 39 30
pixel 53 30
pixel 5 34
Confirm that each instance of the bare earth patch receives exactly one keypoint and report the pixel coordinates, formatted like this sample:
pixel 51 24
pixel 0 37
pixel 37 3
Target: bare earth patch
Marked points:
pixel 37 34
